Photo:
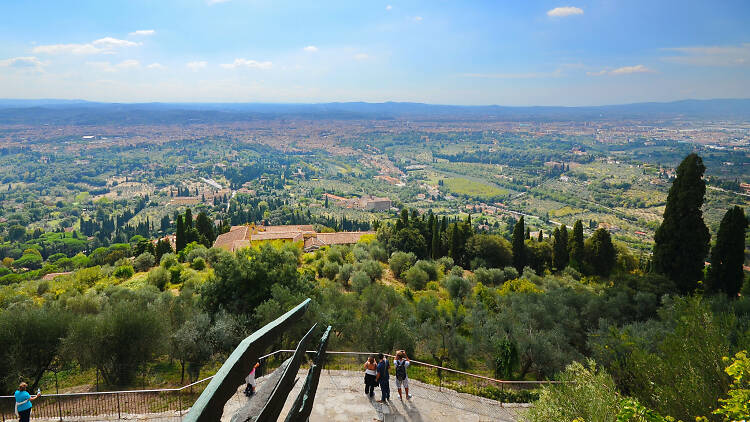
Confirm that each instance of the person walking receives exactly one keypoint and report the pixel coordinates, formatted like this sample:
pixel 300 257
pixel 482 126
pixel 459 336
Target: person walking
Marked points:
pixel 382 378
pixel 401 363
pixel 23 402
pixel 371 371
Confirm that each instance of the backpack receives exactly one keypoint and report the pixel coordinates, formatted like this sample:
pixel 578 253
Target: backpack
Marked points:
pixel 400 371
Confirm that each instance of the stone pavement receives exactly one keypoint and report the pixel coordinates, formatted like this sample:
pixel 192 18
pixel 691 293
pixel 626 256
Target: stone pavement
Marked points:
pixel 341 398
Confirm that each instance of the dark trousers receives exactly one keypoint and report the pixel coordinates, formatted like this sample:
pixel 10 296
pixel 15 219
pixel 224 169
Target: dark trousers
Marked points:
pixel 370 385
pixel 385 389
pixel 24 415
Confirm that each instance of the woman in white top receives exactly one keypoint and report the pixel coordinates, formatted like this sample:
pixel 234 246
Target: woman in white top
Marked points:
pixel 370 376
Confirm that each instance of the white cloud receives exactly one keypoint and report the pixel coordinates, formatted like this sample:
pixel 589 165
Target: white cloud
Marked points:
pixel 102 45
pixel 157 66
pixel 22 62
pixel 625 70
pixel 361 56
pixel 195 66
pixel 143 32
pixel 560 12
pixel 251 64
pixel 109 67
pixel 639 68
pixel 210 2
pixel 311 48
pixel 389 7
pixel 417 18
pixel 730 55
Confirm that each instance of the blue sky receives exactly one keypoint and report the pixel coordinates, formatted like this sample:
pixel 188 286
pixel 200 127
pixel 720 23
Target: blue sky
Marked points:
pixel 449 52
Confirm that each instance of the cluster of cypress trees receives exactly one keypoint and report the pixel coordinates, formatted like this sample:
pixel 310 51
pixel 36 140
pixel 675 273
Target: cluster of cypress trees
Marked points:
pixel 682 240
pixel 202 232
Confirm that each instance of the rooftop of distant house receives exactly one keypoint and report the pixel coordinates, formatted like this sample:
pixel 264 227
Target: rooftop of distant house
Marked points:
pixel 239 237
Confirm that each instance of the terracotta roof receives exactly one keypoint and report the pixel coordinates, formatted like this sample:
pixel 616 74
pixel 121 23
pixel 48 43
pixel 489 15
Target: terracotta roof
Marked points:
pixel 295 236
pixel 341 238
pixel 227 240
pixel 289 228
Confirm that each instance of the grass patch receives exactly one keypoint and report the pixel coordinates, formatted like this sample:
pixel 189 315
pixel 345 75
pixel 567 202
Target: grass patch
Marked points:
pixel 461 186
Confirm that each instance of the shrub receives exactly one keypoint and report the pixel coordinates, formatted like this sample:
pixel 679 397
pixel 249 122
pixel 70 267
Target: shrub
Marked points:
pixel 585 392
pixel 360 280
pixel 416 278
pixel 372 268
pixel 198 263
pixel 490 277
pixel 458 287
pixel 446 262
pixel 429 267
pixel 345 273
pixel 198 251
pixel 168 260
pixel 144 261
pixel 330 269
pixel 158 277
pixel 124 272
pixel 400 262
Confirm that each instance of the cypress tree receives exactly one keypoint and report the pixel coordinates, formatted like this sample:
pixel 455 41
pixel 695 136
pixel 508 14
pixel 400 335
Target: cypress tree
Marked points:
pixel 436 248
pixel 725 273
pixel 681 241
pixel 577 250
pixel 540 237
pixel 560 248
pixel 180 234
pixel 518 246
pixel 188 219
pixel 601 252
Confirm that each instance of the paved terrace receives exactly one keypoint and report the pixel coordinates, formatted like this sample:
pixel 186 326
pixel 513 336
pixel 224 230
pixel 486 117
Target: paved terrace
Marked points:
pixel 341 398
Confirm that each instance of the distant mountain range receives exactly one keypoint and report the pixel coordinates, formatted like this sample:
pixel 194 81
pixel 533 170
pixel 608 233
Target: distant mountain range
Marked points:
pixel 80 112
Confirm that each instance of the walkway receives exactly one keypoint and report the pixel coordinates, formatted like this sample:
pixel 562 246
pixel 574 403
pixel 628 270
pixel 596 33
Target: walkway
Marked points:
pixel 341 398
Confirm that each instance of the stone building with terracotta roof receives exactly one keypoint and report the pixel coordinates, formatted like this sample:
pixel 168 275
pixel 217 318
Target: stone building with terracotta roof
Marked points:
pixel 240 237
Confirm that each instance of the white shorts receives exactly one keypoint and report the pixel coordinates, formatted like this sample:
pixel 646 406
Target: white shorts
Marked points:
pixel 405 383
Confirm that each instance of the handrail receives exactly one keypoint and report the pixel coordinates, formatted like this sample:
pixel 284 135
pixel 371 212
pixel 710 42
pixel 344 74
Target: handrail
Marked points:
pixel 428 365
pixel 160 390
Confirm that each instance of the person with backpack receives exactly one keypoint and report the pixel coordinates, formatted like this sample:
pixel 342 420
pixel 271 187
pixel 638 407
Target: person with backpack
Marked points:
pixel 401 363
pixel 382 378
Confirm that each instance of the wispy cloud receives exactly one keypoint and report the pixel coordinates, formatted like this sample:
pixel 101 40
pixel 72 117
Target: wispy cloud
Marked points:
pixel 210 2
pixel 389 7
pixel 143 32
pixel 109 67
pixel 625 70
pixel 157 66
pixel 195 66
pixel 418 18
pixel 250 64
pixel 22 62
pixel 361 56
pixel 102 45
pixel 560 12
pixel 522 75
pixel 728 55
pixel 311 49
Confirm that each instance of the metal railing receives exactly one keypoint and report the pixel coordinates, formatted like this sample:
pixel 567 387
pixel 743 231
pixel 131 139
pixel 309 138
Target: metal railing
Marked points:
pixel 483 395
pixel 167 403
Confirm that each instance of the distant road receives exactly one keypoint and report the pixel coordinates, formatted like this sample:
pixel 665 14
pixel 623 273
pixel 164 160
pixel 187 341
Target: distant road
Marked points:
pixel 727 191
pixel 212 182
